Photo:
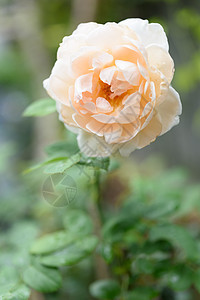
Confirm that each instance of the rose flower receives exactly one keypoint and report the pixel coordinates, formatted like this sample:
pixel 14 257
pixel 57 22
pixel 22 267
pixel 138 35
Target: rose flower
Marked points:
pixel 112 86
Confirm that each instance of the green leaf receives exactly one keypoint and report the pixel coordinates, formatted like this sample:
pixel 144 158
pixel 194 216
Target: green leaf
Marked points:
pixel 62 148
pixel 51 242
pixel 160 248
pixel 78 222
pixel 179 278
pixel 114 228
pixel 133 208
pixel 177 236
pixel 42 279
pixel 161 209
pixel 114 164
pixel 105 289
pixel 22 292
pixel 96 162
pixel 62 165
pixel 143 264
pixel 142 293
pixel 40 108
pixel 9 278
pixel 196 280
pixel 22 234
pixel 72 254
pixel 44 163
pixel 107 252
pixel 56 164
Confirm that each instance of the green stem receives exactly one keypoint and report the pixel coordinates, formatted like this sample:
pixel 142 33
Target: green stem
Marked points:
pixel 97 216
pixel 97 194
pixel 124 287
pixel 36 296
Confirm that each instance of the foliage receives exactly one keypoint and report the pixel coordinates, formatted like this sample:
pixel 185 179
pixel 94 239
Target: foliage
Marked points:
pixel 40 108
pixel 146 243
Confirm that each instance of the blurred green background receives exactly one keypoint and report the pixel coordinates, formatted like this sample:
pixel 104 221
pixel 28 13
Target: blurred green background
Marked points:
pixel 30 32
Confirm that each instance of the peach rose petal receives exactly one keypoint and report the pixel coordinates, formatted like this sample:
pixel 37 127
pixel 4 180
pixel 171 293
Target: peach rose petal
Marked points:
pixel 80 121
pixel 57 88
pixel 105 36
pixel 102 60
pixel 133 99
pixel 96 127
pixel 112 86
pixel 83 84
pixel 126 53
pixel 129 114
pixel 106 75
pixel 149 133
pixel 142 70
pixel 90 107
pixel 113 133
pixel 94 146
pixel 143 138
pixel 129 70
pixel 169 110
pixel 68 45
pixel 85 28
pixel 81 62
pixel 66 114
pixel 148 33
pixel 160 58
pixel 103 118
pixel 103 105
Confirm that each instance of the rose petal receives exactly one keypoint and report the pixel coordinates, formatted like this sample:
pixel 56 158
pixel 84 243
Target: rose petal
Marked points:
pixel 57 89
pixel 84 112
pixel 96 127
pixel 66 114
pixel 142 70
pixel 80 121
pixel 106 75
pixel 169 110
pixel 147 109
pixel 104 118
pixel 105 36
pixel 69 44
pixel 90 106
pixel 103 105
pixel 143 138
pixel 129 114
pixel 94 146
pixel 133 99
pixel 126 53
pixel 130 131
pixel 129 70
pixel 126 148
pixel 160 58
pixel 147 33
pixel 85 28
pixel 61 71
pixel 81 62
pixel 113 133
pixel 83 84
pixel 146 86
pixel 102 60
pixel 150 132
pixel 152 91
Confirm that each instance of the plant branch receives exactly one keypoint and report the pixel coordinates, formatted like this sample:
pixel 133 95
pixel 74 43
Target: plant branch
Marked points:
pixel 97 216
